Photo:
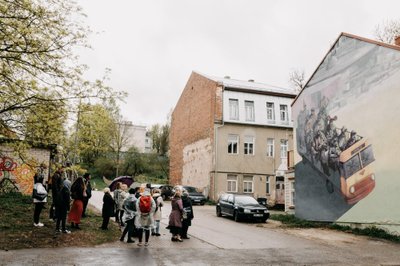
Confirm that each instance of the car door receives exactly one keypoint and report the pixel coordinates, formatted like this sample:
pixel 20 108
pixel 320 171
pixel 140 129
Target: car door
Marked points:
pixel 230 205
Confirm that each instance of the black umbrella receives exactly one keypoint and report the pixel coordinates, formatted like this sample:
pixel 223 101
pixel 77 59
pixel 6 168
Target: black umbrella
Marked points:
pixel 128 180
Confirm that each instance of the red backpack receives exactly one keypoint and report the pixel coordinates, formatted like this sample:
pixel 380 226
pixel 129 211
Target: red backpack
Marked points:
pixel 145 204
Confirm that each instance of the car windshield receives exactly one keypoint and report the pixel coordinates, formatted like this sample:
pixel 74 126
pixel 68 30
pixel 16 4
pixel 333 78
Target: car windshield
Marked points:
pixel 190 189
pixel 367 156
pixel 352 166
pixel 245 200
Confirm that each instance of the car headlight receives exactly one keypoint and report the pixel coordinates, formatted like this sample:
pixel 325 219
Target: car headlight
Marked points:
pixel 265 211
pixel 352 189
pixel 247 211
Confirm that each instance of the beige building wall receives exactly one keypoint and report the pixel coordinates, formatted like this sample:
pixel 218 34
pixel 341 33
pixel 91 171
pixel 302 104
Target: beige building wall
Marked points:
pixel 259 165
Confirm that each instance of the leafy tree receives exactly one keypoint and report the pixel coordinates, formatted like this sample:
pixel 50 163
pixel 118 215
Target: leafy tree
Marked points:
pixel 160 138
pixel 46 124
pixel 38 67
pixel 387 31
pixel 135 163
pixel 94 130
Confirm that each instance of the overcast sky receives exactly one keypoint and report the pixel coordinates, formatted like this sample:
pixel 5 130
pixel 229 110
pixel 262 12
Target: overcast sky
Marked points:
pixel 153 46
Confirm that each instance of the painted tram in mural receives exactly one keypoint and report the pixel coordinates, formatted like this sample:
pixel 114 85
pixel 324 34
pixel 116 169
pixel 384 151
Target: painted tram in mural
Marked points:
pixel 344 159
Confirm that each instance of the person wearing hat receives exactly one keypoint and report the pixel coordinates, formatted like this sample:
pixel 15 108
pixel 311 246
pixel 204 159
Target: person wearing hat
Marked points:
pixel 108 208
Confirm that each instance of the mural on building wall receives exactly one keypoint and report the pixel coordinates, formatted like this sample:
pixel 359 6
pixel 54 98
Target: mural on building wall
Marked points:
pixel 15 176
pixel 346 122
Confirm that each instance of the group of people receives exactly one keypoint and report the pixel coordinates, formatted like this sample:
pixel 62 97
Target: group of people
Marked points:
pixel 318 136
pixel 62 192
pixel 138 212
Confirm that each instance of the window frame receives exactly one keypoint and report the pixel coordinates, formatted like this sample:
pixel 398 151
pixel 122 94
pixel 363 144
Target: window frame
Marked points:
pixel 271 147
pixel 284 143
pixel 271 111
pixel 233 143
pixel 249 108
pixel 231 179
pixel 284 113
pixel 233 109
pixel 248 182
pixel 248 145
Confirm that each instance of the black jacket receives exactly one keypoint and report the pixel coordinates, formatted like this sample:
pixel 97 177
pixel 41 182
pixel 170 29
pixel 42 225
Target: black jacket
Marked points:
pixel 63 199
pixel 108 205
pixel 187 206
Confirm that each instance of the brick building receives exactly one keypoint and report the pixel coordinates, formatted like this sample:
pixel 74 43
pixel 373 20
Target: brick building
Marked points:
pixel 231 136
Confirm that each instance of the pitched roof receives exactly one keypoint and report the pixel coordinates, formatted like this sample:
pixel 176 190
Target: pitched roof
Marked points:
pixel 252 86
pixel 343 34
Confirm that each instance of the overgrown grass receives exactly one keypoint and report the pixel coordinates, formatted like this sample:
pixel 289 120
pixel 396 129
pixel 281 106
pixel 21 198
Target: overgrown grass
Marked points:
pixel 17 230
pixel 292 221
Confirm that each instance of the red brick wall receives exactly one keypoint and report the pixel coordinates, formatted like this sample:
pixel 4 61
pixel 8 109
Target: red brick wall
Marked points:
pixel 193 119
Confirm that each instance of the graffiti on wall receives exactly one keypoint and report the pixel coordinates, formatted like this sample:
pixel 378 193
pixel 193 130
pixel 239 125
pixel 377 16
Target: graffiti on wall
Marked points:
pixel 14 175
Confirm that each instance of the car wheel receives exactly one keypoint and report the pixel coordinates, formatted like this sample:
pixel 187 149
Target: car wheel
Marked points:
pixel 219 214
pixel 236 216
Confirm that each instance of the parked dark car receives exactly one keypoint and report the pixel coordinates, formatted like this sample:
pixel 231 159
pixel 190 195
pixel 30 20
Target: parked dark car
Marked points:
pixel 241 207
pixel 195 196
pixel 166 191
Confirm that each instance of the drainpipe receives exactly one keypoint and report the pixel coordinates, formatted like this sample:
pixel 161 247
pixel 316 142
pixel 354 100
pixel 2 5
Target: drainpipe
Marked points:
pixel 216 139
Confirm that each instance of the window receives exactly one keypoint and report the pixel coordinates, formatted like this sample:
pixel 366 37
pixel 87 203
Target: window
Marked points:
pixel 247 184
pixel 284 148
pixel 284 114
pixel 270 147
pixel 270 113
pixel 267 185
pixel 249 107
pixel 233 109
pixel 248 145
pixel 233 141
pixel 232 183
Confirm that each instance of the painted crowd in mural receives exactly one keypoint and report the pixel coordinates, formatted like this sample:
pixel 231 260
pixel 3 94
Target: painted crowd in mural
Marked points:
pixel 346 124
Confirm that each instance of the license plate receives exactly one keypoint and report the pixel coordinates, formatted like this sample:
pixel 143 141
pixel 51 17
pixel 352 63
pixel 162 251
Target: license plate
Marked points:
pixel 196 200
pixel 258 215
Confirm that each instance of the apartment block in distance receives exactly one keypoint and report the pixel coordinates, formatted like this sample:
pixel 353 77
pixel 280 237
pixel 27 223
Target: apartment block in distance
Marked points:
pixel 231 136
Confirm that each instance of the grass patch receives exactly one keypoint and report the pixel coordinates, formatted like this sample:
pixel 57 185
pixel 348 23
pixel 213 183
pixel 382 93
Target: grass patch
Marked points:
pixel 17 230
pixel 98 183
pixel 293 222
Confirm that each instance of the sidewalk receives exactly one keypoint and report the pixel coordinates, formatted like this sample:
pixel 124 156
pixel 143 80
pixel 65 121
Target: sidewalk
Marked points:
pixel 163 241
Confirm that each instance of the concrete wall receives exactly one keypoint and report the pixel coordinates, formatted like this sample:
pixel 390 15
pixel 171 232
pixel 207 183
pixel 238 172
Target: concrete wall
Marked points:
pixel 197 164
pixel 22 172
pixel 357 84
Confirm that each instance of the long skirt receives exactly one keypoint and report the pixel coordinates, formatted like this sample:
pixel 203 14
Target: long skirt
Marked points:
pixel 75 213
